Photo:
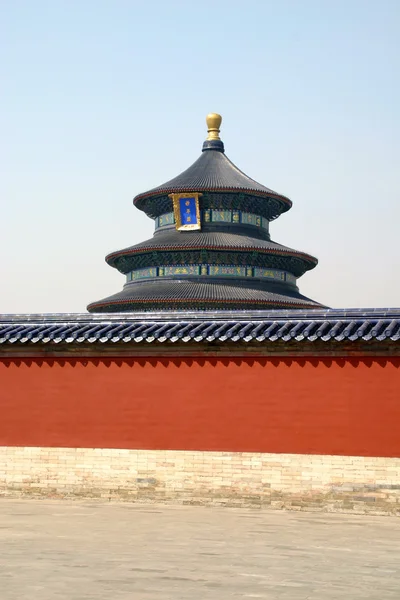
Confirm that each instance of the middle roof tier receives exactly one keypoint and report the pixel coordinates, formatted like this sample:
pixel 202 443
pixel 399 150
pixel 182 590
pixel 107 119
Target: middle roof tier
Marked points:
pixel 212 246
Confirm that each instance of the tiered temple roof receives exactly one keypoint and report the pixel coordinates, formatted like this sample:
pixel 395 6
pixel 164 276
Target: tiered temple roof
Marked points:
pixel 211 249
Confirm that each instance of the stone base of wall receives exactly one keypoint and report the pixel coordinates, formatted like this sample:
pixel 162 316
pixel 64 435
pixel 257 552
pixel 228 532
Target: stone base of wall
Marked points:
pixel 289 481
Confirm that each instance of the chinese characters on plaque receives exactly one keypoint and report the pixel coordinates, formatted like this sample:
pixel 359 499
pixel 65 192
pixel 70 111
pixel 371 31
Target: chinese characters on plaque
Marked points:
pixel 186 211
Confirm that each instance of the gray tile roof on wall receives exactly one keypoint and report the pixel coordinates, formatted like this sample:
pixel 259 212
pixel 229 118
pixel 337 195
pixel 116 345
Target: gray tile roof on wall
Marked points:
pixel 226 326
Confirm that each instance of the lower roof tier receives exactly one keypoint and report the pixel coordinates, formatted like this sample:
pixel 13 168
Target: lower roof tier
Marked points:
pixel 176 294
pixel 210 246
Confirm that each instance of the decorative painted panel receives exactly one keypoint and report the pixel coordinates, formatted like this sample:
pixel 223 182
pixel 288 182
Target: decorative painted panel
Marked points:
pixel 163 220
pixel 269 274
pixel 290 278
pixel 182 270
pixel 221 216
pixel 142 274
pixel 227 271
pixel 249 218
pixel 236 216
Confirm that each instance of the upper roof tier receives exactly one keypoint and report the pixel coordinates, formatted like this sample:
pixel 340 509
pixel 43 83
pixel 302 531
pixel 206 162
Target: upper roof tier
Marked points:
pixel 212 172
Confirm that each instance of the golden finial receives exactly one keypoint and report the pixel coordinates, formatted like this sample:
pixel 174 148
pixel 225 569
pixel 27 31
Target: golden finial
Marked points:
pixel 213 121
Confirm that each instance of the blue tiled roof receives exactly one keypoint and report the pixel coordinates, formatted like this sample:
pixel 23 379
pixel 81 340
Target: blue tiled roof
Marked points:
pixel 222 326
pixel 180 293
pixel 212 171
pixel 212 240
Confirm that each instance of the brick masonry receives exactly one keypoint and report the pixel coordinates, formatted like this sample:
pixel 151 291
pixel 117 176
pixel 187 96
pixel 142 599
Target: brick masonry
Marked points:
pixel 291 481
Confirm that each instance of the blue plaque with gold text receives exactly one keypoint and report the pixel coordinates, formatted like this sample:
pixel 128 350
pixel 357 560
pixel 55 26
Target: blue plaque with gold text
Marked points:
pixel 186 211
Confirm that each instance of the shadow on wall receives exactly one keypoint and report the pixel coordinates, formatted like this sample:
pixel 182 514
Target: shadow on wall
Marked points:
pixel 162 362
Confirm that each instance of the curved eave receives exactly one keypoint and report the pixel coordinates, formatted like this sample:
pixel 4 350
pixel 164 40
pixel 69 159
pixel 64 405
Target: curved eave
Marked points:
pixel 193 301
pixel 191 293
pixel 138 200
pixel 311 260
pixel 194 294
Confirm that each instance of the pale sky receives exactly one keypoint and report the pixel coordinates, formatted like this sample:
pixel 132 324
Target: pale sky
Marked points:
pixel 103 100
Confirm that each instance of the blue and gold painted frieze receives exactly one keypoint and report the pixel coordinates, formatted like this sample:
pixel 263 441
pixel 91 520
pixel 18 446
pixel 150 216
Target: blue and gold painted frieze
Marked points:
pixel 209 215
pixel 211 271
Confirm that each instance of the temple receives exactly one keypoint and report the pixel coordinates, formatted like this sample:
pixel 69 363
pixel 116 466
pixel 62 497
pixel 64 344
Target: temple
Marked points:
pixel 211 249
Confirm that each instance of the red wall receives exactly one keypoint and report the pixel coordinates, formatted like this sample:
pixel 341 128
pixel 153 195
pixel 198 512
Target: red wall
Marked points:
pixel 328 406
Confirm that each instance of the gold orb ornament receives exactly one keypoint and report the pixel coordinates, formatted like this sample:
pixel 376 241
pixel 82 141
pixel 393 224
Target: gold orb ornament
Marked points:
pixel 213 121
